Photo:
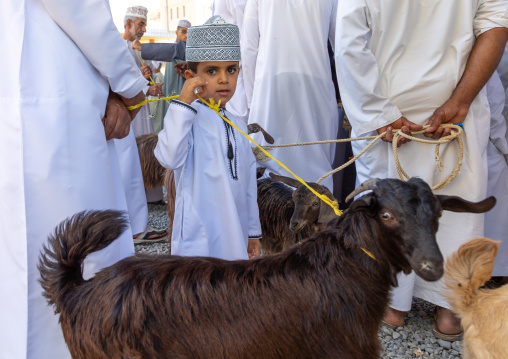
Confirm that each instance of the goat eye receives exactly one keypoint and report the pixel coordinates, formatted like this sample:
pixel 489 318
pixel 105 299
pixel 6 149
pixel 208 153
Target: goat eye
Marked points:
pixel 386 216
pixel 315 204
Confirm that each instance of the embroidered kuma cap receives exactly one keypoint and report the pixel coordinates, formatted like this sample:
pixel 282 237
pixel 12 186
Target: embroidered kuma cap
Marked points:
pixel 137 11
pixel 215 40
pixel 184 23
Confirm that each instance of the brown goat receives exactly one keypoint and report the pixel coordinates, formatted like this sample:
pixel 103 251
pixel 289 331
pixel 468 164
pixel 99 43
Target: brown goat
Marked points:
pixel 287 217
pixel 323 298
pixel 153 172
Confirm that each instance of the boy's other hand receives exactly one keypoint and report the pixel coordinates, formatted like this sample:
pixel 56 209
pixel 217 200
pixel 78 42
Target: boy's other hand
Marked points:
pixel 188 93
pixel 254 248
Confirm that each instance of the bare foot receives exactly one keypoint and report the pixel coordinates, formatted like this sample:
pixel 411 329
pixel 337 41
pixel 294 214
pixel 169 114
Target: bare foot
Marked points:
pixel 447 322
pixel 394 317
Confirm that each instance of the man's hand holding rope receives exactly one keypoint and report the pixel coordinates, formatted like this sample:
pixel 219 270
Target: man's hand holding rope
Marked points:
pixel 402 124
pixel 450 112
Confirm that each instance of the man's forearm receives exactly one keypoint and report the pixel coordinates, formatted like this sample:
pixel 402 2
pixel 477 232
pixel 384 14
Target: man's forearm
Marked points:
pixel 163 52
pixel 480 66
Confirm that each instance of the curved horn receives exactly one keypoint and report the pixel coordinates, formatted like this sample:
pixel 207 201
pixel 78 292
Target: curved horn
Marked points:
pixel 370 184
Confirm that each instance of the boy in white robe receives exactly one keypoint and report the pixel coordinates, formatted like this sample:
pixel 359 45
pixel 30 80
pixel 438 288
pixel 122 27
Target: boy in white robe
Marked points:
pixel 215 171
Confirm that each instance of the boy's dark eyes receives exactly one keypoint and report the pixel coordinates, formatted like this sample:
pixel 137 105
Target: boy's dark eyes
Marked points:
pixel 231 70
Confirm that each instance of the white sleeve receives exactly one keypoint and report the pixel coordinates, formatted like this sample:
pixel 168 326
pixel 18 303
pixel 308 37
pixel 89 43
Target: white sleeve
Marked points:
pixel 101 43
pixel 252 201
pixel 176 137
pixel 358 72
pixel 490 14
pixel 249 43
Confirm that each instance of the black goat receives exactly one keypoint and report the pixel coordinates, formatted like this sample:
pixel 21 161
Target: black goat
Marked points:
pixel 323 298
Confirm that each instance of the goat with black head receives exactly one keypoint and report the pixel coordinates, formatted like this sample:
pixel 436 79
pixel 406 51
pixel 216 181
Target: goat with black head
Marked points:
pixel 323 298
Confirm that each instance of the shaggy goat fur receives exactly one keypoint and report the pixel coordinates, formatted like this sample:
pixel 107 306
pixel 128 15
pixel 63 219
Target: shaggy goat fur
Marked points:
pixel 153 172
pixel 287 217
pixel 323 298
pixel 483 312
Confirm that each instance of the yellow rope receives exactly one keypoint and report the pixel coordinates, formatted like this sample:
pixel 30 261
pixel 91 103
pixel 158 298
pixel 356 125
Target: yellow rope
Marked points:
pixel 324 198
pixel 142 103
pixel 152 82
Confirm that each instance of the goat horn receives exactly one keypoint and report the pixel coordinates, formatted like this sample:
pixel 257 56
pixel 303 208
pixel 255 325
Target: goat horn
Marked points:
pixel 370 184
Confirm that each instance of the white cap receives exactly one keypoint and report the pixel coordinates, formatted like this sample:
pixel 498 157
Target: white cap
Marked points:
pixel 137 11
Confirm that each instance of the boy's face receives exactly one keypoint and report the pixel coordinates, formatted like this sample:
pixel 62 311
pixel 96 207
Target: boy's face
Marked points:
pixel 221 77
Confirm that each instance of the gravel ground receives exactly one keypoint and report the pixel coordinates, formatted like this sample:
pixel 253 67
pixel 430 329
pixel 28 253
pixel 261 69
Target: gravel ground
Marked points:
pixel 414 340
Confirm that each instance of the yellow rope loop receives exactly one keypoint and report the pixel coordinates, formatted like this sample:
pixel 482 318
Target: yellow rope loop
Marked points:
pixel 328 201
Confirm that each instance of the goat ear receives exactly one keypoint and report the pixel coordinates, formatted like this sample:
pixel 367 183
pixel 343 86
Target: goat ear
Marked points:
pixel 287 180
pixel 457 204
pixel 326 213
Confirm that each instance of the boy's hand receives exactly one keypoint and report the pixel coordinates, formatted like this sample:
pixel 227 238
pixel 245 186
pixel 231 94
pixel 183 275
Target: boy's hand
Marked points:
pixel 188 93
pixel 254 248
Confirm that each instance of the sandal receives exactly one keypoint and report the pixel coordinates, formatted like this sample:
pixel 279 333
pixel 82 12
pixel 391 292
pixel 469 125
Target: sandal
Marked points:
pixel 443 336
pixel 151 235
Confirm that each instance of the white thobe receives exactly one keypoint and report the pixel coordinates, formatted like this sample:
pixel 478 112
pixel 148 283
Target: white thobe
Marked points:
pixel 399 58
pixel 288 81
pixel 142 123
pixel 54 157
pixel 216 198
pixel 496 224
pixel 232 12
pixel 132 181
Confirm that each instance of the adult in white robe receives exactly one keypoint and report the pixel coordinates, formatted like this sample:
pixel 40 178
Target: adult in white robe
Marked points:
pixel 216 202
pixel 142 123
pixel 54 157
pixel 232 12
pixel 405 58
pixel 496 224
pixel 288 81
